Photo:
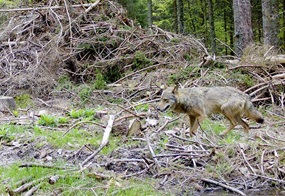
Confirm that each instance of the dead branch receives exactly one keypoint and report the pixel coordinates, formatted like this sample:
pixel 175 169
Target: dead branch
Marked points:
pixel 223 185
pixel 28 185
pixel 82 122
pixel 43 8
pixel 247 162
pixel 151 151
pixel 104 141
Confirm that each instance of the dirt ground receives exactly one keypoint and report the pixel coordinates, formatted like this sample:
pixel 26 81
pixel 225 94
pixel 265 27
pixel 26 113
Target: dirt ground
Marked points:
pixel 161 150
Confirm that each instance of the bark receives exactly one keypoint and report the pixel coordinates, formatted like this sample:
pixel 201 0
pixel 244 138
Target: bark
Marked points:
pixel 225 28
pixel 242 25
pixel 270 22
pixel 212 26
pixel 149 13
pixel 283 24
pixel 180 18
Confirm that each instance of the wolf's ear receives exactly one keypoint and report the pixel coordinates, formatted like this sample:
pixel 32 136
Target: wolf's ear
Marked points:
pixel 175 89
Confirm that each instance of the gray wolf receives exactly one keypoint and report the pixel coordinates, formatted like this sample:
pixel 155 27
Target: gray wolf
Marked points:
pixel 200 102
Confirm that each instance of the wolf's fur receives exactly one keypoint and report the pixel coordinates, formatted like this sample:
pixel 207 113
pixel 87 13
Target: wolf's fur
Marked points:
pixel 201 102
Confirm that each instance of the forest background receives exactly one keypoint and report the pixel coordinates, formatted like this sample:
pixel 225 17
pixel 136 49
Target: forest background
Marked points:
pixel 215 22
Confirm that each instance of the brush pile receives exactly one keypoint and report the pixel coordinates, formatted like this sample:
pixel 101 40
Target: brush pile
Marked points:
pixel 40 43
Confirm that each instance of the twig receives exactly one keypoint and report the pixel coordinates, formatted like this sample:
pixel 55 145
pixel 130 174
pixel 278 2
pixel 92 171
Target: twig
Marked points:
pixel 274 138
pixel 151 151
pixel 43 8
pixel 243 155
pixel 41 165
pixel 130 116
pixel 33 189
pixel 223 185
pixel 261 162
pixel 180 155
pixel 69 19
pixel 136 72
pixel 135 174
pixel 28 185
pixel 192 141
pixel 81 122
pixel 104 140
pixel 165 124
pixel 269 178
pixel 128 110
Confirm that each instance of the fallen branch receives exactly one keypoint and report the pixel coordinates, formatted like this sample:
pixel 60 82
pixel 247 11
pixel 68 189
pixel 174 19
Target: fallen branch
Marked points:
pixel 269 178
pixel 81 122
pixel 244 157
pixel 151 151
pixel 27 186
pixel 104 140
pixel 41 165
pixel 223 185
pixel 43 8
pixel 33 189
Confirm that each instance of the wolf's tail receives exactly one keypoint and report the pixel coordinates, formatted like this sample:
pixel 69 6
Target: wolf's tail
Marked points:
pixel 253 113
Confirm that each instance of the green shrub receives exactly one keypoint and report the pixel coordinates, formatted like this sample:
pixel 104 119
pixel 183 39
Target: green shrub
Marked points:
pixel 48 120
pixel 140 60
pixel 99 83
pixel 23 100
pixel 85 93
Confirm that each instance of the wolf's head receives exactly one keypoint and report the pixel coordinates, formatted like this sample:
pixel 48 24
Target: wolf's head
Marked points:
pixel 168 99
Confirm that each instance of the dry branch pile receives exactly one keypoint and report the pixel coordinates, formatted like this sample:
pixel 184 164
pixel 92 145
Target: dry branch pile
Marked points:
pixel 38 44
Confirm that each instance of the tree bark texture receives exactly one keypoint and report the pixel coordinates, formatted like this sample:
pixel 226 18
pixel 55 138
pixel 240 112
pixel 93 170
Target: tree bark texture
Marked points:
pixel 180 18
pixel 149 13
pixel 212 26
pixel 242 25
pixel 270 21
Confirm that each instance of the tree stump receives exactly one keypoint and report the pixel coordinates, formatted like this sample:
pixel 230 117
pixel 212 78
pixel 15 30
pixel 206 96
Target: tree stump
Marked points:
pixel 7 104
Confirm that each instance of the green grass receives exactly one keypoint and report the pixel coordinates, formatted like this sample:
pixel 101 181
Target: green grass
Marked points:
pixel 23 100
pixel 215 127
pixel 9 132
pixel 86 113
pixel 142 107
pixel 136 188
pixel 12 174
pixel 73 139
pixel 71 182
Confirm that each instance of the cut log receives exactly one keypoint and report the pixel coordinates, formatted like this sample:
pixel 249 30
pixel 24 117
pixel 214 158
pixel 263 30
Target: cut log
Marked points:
pixel 7 104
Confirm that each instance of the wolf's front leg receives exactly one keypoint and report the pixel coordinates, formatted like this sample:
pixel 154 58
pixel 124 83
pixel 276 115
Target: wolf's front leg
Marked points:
pixel 193 125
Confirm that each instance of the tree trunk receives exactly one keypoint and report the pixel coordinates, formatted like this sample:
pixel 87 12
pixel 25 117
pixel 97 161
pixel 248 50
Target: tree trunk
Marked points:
pixel 270 21
pixel 7 104
pixel 212 26
pixel 180 18
pixel 242 25
pixel 225 28
pixel 193 23
pixel 149 13
pixel 283 24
